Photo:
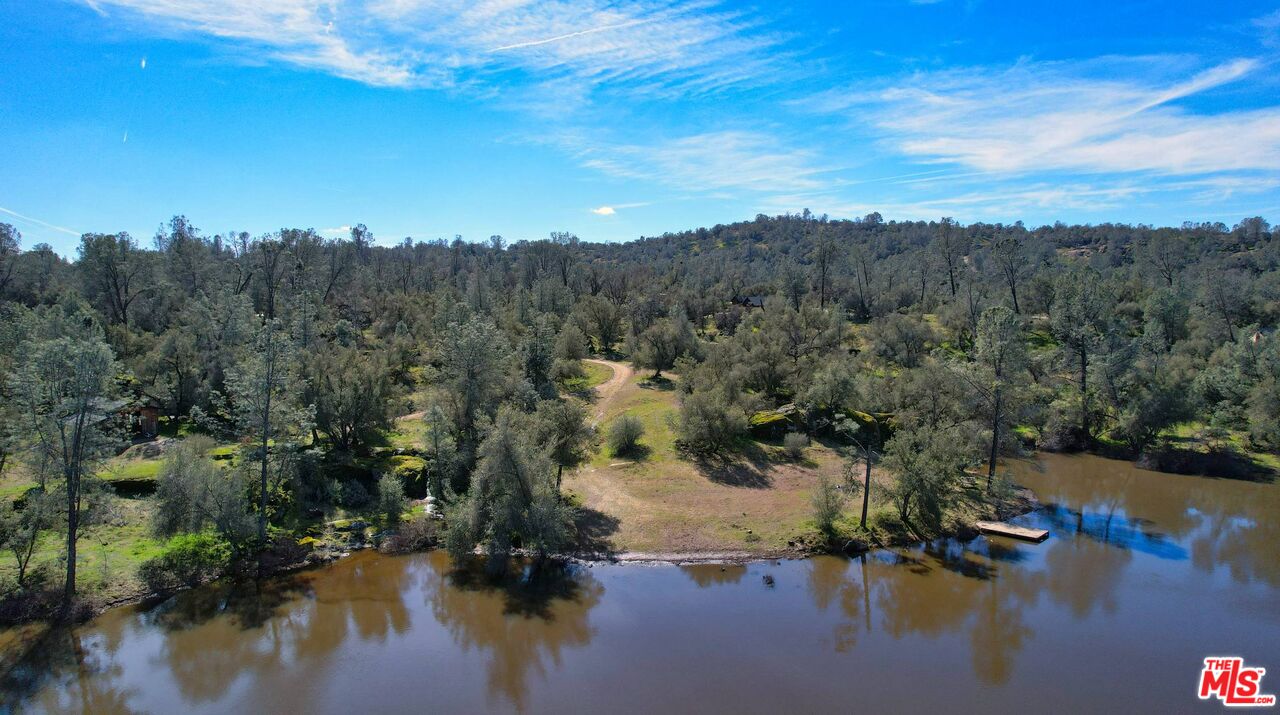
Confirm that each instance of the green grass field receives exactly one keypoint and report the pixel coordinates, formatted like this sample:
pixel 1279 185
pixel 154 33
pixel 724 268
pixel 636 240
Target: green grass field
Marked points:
pixel 108 553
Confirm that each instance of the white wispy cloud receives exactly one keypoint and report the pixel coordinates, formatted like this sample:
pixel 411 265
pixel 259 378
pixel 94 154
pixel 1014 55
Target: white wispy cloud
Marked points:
pixel 1267 28
pixel 1013 199
pixel 640 44
pixel 729 160
pixel 1108 115
pixel 288 30
pixel 1085 134
pixel 995 203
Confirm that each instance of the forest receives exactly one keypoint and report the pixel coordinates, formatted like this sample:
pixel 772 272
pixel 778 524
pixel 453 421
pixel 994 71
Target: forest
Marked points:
pixel 195 404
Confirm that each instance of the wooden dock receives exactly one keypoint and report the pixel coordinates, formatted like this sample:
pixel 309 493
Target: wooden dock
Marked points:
pixel 999 528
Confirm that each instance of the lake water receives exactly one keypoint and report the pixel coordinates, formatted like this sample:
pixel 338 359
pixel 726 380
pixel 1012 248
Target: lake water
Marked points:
pixel 1143 576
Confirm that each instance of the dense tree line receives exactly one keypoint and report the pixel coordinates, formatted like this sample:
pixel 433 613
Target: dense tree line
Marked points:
pixel 936 347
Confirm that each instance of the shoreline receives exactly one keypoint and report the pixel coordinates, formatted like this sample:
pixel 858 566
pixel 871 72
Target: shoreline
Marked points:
pixel 38 629
pixel 1025 503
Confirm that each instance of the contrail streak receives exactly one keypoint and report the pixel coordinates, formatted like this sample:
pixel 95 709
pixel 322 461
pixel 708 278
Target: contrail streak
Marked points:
pixel 579 33
pixel 38 221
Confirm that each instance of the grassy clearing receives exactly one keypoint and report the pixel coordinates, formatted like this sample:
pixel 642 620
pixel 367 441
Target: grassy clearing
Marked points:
pixel 108 554
pixel 654 404
pixel 110 550
pixel 409 433
pixel 132 469
pixel 757 502
pixel 597 374
pixel 1189 436
pixel 593 375
pixel 177 427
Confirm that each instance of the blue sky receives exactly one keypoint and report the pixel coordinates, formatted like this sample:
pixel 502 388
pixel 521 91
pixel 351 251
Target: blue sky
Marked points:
pixel 616 119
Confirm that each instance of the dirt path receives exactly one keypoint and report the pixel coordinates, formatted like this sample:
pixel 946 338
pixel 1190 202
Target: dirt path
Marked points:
pixel 607 390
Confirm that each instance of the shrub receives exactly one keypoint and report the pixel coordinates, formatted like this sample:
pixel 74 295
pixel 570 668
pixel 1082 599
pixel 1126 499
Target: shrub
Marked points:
pixel 465 527
pixel 187 560
pixel 352 494
pixel 1061 432
pixel 929 465
pixel 624 435
pixel 391 501
pixel 567 370
pixel 794 444
pixel 708 424
pixel 193 494
pixel 1002 490
pixel 571 344
pixel 1264 415
pixel 20 529
pixel 827 505
pixel 417 534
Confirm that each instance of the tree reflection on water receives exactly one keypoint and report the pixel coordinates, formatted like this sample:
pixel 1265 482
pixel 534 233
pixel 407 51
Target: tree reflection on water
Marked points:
pixel 1101 514
pixel 521 618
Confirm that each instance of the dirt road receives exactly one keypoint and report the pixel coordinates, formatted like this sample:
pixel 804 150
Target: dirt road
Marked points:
pixel 607 390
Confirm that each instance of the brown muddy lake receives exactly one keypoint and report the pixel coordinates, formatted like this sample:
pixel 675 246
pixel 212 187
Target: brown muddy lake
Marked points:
pixel 1142 577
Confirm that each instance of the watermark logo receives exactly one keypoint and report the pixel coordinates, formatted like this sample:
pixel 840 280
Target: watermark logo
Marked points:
pixel 1235 684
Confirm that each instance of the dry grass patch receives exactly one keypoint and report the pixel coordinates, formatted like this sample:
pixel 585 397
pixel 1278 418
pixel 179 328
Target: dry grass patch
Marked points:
pixel 663 503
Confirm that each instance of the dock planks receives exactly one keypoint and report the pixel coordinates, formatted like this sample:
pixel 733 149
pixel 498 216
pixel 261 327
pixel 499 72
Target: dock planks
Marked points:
pixel 999 528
